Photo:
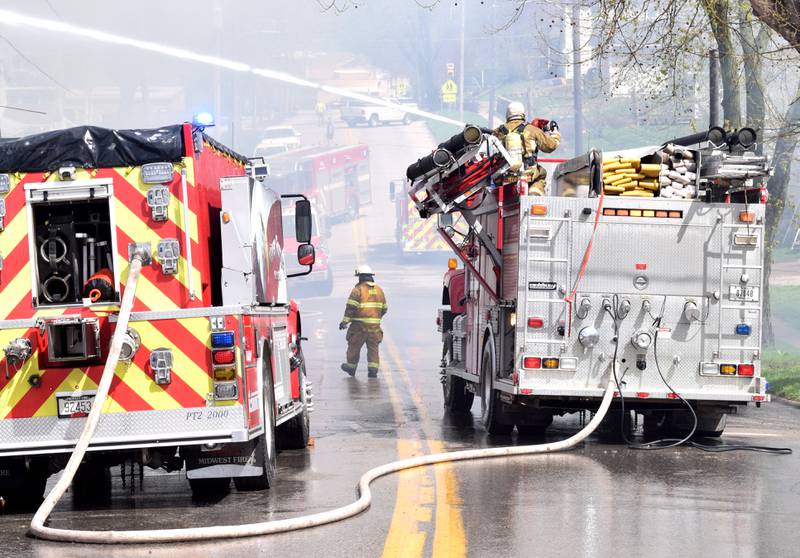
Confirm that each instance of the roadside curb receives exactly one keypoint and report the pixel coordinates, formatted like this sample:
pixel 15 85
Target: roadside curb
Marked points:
pixel 789 402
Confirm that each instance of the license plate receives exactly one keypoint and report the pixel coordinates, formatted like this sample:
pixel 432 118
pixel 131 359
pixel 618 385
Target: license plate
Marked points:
pixel 74 406
pixel 744 294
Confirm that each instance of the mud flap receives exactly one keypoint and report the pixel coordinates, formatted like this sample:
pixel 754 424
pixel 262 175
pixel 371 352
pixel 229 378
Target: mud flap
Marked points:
pixel 232 460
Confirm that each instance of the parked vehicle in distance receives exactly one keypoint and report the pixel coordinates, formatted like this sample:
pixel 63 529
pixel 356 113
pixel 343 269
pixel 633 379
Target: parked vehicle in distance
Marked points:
pixel 277 139
pixel 320 281
pixel 374 114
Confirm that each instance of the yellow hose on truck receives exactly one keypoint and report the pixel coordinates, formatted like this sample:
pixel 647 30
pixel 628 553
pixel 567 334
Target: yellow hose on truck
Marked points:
pixel 38 529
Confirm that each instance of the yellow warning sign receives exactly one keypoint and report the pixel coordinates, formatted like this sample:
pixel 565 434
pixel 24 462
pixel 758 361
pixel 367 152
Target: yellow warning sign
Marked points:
pixel 449 91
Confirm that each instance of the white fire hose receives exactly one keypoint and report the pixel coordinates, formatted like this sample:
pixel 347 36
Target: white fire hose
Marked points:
pixel 38 529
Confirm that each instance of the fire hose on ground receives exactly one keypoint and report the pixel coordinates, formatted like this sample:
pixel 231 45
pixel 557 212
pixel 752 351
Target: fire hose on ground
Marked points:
pixel 38 528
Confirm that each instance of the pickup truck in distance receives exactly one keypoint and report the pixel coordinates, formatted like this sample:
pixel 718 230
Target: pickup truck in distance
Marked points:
pixel 360 112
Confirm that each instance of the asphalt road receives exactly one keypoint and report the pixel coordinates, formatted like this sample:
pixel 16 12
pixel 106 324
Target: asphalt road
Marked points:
pixel 601 499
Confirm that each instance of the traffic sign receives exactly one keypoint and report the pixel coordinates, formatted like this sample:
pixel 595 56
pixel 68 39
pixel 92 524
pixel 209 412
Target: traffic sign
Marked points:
pixel 449 91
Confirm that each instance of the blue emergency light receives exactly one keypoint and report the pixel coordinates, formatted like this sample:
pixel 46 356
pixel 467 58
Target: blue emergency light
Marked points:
pixel 222 339
pixel 203 120
pixel 743 329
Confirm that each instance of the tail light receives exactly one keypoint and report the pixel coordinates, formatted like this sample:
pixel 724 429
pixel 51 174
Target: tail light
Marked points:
pixel 672 395
pixel 746 369
pixel 224 357
pixel 535 323
pixel 747 217
pixel 550 363
pixel 224 374
pixel 727 369
pixel 532 362
pixel 539 210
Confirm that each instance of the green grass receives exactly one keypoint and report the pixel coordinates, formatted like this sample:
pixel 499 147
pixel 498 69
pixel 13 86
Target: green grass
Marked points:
pixel 782 370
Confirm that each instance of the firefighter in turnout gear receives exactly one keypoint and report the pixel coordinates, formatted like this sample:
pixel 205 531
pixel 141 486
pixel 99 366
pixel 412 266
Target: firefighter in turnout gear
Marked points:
pixel 363 312
pixel 523 140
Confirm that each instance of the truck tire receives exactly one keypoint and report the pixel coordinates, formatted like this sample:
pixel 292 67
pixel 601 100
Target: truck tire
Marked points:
pixel 294 433
pixel 209 490
pixel 22 485
pixel 264 444
pixel 535 425
pixel 407 119
pixel 457 398
pixel 710 425
pixel 91 486
pixel 490 403
pixel 373 121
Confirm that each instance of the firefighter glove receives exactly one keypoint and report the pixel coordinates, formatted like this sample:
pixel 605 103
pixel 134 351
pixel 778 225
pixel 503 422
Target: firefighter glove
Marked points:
pixel 343 325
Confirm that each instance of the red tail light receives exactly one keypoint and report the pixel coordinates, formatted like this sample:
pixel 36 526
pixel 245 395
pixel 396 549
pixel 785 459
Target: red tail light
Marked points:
pixel 535 323
pixel 642 394
pixel 226 356
pixel 532 362
pixel 746 369
pixel 671 395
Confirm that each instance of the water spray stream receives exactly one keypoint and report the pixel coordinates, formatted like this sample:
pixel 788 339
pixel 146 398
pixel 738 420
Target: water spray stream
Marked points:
pixel 15 19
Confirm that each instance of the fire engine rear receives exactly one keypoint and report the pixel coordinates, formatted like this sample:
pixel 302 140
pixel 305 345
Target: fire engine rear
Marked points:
pixel 645 264
pixel 211 373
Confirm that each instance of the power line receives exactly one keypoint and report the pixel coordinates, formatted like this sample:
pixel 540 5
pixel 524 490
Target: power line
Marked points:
pixel 22 109
pixel 35 65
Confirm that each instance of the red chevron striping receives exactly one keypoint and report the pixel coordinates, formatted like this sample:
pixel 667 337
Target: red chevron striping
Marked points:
pixel 136 200
pixel 177 334
pixel 167 284
pixel 178 389
pixel 35 397
pixel 14 262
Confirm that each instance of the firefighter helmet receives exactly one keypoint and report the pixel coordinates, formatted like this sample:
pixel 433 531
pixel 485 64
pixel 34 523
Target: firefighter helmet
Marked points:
pixel 364 270
pixel 515 110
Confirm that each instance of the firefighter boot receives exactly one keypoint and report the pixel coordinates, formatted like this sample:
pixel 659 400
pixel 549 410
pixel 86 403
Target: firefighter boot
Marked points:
pixel 349 369
pixel 372 373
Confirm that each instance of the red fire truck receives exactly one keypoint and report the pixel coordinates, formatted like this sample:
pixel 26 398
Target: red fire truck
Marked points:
pixel 336 178
pixel 211 375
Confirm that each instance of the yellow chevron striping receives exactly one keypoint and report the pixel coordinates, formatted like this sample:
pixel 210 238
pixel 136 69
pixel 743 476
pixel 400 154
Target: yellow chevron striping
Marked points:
pixel 136 229
pixel 16 231
pixel 187 368
pixel 16 389
pixel 76 380
pixel 146 291
pixel 15 290
pixel 174 212
pixel 146 388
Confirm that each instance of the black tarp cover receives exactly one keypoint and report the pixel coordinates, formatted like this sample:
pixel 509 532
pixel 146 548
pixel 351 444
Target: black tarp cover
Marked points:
pixel 91 147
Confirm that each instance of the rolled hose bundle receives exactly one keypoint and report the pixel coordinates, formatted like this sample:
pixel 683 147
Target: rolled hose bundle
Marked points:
pixel 38 529
pixel 445 152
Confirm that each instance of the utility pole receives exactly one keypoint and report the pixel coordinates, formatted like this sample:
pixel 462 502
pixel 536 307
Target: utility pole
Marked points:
pixel 461 64
pixel 577 90
pixel 713 88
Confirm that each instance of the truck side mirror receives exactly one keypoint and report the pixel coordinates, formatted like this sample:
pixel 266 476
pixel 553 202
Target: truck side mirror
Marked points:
pixel 391 191
pixel 302 221
pixel 306 254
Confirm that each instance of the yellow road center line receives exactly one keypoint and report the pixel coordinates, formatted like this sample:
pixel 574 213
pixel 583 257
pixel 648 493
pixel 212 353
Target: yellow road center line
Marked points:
pixel 449 538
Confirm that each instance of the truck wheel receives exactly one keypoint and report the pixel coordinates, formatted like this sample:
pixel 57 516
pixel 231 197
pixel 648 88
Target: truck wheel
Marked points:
pixel 490 403
pixel 209 490
pixel 294 433
pixel 407 119
pixel 91 486
pixel 265 447
pixel 22 486
pixel 373 121
pixel 535 425
pixel 457 399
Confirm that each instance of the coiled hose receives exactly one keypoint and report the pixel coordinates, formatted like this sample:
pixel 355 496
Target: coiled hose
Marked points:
pixel 38 529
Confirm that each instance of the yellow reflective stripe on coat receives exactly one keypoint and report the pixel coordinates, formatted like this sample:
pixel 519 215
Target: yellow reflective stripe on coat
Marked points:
pixel 380 305
pixel 367 320
pixel 351 302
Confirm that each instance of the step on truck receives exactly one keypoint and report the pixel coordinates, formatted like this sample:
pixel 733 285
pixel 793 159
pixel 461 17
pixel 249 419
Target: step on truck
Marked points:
pixel 660 286
pixel 211 376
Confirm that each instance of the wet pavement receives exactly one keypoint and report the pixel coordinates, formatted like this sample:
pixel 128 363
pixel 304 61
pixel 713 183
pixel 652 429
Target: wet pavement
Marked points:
pixel 601 499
